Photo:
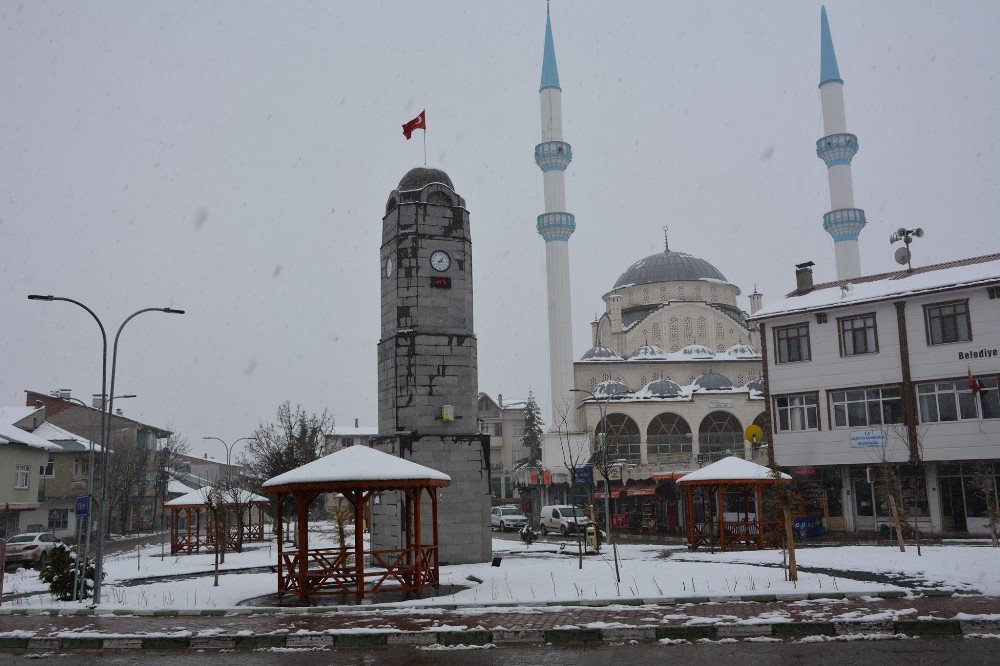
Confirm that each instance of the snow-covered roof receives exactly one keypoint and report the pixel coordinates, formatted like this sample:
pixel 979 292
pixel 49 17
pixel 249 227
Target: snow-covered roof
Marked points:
pixel 663 390
pixel 175 487
pixel 357 464
pixel 731 468
pixel 11 434
pixel 199 497
pixel 691 353
pixel 61 436
pixel 647 352
pixel 344 431
pixel 962 273
pixel 601 354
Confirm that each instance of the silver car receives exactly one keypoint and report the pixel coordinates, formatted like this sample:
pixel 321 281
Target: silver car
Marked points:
pixel 32 547
pixel 503 517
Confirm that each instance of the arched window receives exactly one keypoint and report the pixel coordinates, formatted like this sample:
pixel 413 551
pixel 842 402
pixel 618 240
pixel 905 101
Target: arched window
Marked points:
pixel 390 205
pixel 720 435
pixel 668 438
pixel 697 293
pixel 674 329
pixel 656 330
pixel 702 330
pixel 720 331
pixel 439 198
pixel 759 421
pixel 680 292
pixel 688 330
pixel 645 295
pixel 663 294
pixel 617 437
pixel 714 293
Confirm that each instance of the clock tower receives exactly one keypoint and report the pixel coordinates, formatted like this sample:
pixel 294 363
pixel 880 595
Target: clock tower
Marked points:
pixel 427 373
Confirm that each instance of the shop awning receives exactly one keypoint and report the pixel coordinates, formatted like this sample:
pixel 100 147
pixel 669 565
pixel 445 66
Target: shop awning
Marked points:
pixel 615 493
pixel 644 489
pixel 668 476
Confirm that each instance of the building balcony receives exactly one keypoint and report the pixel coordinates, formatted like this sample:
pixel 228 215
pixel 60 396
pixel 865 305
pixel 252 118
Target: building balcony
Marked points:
pixel 845 223
pixel 553 155
pixel 837 149
pixel 556 226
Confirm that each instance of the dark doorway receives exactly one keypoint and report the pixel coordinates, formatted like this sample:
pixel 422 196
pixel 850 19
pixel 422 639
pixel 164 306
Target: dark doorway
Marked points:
pixel 953 504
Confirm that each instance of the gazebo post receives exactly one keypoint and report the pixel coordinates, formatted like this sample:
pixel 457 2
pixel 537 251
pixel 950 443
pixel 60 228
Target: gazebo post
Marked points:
pixel 357 498
pixel 418 546
pixel 302 501
pixel 689 515
pixel 720 492
pixel 277 523
pixel 434 524
pixel 189 521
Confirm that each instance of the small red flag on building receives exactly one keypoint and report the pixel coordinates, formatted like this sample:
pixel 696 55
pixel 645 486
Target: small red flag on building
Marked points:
pixel 973 384
pixel 420 122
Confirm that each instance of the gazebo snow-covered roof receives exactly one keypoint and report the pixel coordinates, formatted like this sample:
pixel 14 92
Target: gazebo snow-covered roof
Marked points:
pixel 199 497
pixel 732 468
pixel 355 467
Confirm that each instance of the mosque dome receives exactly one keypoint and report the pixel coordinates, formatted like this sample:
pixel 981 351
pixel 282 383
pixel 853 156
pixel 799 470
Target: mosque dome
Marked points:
pixel 756 385
pixel 601 354
pixel 712 381
pixel 610 389
pixel 417 178
pixel 697 351
pixel 647 352
pixel 669 266
pixel 743 350
pixel 662 388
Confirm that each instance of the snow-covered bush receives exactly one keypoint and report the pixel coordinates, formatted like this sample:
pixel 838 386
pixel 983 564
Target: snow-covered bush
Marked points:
pixel 528 535
pixel 57 570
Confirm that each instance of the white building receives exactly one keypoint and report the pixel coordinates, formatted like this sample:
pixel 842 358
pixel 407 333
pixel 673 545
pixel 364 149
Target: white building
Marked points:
pixel 503 421
pixel 878 369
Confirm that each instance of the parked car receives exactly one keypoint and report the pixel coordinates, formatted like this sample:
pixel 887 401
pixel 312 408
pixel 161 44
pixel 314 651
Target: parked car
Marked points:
pixel 502 517
pixel 32 547
pixel 563 518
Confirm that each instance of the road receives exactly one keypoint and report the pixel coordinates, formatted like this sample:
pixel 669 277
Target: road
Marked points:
pixel 968 652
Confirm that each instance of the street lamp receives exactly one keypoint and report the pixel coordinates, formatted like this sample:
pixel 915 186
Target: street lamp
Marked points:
pixel 106 416
pixel 229 447
pixel 602 448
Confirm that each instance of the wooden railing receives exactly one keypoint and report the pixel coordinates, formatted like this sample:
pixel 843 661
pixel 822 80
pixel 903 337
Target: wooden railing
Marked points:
pixel 334 570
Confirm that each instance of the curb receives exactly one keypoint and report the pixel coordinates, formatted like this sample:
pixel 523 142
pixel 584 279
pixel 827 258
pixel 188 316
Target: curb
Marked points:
pixel 595 603
pixel 480 637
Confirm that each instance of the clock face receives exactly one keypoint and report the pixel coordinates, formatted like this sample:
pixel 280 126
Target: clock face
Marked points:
pixel 388 267
pixel 440 261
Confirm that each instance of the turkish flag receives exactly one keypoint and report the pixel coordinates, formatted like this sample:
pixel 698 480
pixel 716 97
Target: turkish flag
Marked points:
pixel 973 384
pixel 420 122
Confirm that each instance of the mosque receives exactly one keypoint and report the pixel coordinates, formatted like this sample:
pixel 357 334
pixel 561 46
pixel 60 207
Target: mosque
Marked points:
pixel 674 375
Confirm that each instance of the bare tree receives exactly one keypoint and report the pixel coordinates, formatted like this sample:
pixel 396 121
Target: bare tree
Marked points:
pixel 217 507
pixel 901 497
pixel 985 482
pixel 127 466
pixel 607 454
pixel 574 456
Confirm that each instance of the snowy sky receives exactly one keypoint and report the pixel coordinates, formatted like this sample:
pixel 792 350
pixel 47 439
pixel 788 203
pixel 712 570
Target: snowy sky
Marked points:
pixel 233 159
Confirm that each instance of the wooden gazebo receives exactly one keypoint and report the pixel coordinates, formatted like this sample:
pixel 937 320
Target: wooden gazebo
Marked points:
pixel 742 526
pixel 199 529
pixel 358 472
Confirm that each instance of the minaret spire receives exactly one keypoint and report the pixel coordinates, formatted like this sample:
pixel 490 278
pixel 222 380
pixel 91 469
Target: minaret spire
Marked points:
pixel 556 225
pixel 844 222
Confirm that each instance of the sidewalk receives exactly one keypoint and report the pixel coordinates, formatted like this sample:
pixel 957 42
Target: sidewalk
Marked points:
pixel 370 626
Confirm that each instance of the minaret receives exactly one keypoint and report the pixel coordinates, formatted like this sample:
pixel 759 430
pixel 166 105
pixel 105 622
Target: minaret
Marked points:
pixel 844 222
pixel 556 226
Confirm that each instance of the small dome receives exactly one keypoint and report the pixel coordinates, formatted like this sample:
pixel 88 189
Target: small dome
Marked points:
pixel 663 388
pixel 417 178
pixel 611 389
pixel 712 381
pixel 756 385
pixel 743 350
pixel 697 351
pixel 601 354
pixel 669 267
pixel 647 352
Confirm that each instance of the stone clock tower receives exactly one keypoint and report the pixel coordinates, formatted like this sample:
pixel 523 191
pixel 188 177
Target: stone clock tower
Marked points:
pixel 427 375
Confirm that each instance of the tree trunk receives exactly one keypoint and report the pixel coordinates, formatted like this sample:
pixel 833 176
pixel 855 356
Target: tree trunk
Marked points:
pixel 793 570
pixel 895 521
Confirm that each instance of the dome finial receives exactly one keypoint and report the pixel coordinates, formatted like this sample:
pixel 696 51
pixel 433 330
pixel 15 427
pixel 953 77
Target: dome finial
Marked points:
pixel 666 238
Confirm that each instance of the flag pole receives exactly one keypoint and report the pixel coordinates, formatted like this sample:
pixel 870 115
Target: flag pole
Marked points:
pixel 425 145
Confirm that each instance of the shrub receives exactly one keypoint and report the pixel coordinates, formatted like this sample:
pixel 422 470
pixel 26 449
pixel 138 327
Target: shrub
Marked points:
pixel 57 570
pixel 528 535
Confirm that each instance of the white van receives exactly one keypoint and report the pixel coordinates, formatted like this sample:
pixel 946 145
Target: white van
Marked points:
pixel 562 518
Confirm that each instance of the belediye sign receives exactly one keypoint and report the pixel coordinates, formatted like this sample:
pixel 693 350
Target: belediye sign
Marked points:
pixel 867 438
pixel 978 353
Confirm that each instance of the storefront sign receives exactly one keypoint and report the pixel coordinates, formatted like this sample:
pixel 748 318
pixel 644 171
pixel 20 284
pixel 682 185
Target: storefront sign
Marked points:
pixel 979 353
pixel 721 403
pixel 804 472
pixel 867 438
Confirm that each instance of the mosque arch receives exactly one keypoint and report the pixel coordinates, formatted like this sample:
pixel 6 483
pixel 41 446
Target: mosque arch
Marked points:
pixel 439 198
pixel 668 438
pixel 719 435
pixel 390 205
pixel 620 436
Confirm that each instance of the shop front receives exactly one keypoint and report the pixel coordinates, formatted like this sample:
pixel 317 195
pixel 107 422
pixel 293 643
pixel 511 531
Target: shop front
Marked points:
pixel 819 501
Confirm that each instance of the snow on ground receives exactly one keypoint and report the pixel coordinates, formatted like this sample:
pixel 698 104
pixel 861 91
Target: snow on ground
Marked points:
pixel 959 567
pixel 545 572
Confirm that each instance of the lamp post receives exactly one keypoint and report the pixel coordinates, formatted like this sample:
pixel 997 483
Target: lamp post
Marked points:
pixel 229 448
pixel 106 416
pixel 602 447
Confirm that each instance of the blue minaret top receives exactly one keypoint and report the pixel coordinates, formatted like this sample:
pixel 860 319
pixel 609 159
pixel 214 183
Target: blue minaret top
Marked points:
pixel 828 70
pixel 550 73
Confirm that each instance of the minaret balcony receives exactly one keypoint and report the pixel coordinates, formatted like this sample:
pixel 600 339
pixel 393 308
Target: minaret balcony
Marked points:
pixel 845 223
pixel 837 149
pixel 553 155
pixel 556 226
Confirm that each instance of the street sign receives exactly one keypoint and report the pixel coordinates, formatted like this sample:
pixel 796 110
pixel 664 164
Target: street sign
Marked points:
pixel 584 476
pixel 867 438
pixel 82 506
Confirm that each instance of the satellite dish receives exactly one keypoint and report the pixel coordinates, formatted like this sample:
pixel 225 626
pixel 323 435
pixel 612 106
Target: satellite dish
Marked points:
pixel 754 433
pixel 902 255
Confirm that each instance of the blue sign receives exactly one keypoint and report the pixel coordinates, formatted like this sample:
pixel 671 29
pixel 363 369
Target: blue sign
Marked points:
pixel 868 438
pixel 583 476
pixel 82 506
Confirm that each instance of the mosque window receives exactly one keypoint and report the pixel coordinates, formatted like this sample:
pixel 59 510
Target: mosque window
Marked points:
pixel 673 330
pixel 606 377
pixel 673 348
pixel 593 383
pixel 642 380
pixel 697 293
pixel 739 380
pixel 702 329
pixel 631 300
pixel 663 294
pixel 680 292
pixel 688 329
pixel 656 330
pixel 714 293
pixel 720 331
pixel 645 295
pixel 720 348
